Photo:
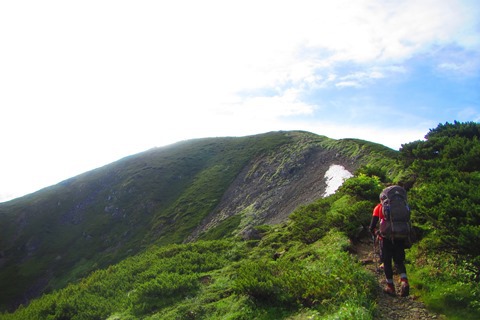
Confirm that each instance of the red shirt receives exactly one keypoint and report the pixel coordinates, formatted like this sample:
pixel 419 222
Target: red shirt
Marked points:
pixel 378 212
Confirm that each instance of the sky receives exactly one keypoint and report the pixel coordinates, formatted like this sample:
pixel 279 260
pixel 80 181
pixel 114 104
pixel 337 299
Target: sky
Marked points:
pixel 85 83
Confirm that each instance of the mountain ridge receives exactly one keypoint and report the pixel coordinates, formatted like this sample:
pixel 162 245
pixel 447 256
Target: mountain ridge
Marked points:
pixel 164 195
pixel 305 267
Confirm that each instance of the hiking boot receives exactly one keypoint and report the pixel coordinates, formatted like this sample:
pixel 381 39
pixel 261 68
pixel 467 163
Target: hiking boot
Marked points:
pixel 389 289
pixel 404 288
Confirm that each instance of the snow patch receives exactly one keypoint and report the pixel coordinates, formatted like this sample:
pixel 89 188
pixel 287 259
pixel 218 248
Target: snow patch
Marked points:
pixel 334 178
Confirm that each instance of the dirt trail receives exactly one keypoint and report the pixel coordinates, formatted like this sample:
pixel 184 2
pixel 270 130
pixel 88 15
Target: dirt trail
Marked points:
pixel 390 307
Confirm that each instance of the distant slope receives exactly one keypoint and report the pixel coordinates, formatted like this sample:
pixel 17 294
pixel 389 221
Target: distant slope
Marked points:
pixel 212 186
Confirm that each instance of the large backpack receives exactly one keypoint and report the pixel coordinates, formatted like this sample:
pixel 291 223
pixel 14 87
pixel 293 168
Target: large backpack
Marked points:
pixel 396 222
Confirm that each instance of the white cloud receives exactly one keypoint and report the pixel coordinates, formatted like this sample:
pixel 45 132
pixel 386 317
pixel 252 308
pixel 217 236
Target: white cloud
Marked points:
pixel 351 83
pixel 458 63
pixel 469 114
pixel 359 79
pixel 288 104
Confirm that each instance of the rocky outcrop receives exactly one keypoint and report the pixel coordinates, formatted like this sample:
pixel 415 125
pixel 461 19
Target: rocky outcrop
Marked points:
pixel 271 186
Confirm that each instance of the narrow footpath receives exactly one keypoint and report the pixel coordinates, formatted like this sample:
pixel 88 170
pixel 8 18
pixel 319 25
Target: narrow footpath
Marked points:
pixel 389 307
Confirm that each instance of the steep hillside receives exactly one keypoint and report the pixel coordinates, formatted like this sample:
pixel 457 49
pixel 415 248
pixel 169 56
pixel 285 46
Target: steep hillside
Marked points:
pixel 206 188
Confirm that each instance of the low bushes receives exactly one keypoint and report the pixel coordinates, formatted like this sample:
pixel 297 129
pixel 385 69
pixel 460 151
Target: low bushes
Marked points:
pixel 322 276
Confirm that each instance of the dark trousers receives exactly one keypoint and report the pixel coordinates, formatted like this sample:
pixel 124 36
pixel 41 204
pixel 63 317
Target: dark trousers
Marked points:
pixel 393 250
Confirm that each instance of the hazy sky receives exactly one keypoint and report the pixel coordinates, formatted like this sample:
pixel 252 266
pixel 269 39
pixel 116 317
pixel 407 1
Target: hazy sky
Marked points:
pixel 84 83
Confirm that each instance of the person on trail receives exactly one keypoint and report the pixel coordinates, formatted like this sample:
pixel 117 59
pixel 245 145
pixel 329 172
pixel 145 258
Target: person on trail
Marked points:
pixel 390 250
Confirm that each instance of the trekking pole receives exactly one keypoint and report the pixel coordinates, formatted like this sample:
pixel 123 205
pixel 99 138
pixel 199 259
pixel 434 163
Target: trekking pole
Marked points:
pixel 375 252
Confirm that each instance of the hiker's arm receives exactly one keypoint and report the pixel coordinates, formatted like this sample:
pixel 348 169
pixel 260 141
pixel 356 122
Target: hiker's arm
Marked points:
pixel 373 224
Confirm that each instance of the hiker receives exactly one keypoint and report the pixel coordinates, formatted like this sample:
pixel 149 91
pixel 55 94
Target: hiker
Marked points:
pixel 392 244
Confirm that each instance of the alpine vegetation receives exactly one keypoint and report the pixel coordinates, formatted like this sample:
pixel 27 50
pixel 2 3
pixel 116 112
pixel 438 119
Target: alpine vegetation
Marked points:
pixel 245 228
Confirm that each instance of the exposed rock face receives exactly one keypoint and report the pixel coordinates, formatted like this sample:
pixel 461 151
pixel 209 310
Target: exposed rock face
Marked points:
pixel 272 186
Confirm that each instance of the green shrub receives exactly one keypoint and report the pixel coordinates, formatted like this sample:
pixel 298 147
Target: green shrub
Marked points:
pixel 163 290
pixel 318 275
pixel 159 278
pixel 445 282
pixel 362 187
pixel 309 222
pixel 348 210
pixel 446 197
pixel 373 171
